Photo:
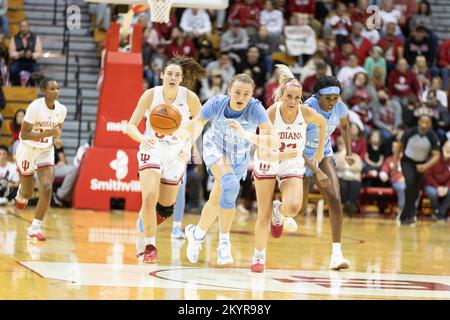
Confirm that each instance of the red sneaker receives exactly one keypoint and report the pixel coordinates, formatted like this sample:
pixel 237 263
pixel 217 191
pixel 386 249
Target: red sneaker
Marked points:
pixel 20 204
pixel 276 229
pixel 150 254
pixel 36 235
pixel 257 267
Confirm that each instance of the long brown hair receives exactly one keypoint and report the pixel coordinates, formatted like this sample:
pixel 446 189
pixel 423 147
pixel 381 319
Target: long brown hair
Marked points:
pixel 192 71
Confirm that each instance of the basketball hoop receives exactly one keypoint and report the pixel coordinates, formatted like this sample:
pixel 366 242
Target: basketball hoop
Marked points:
pixel 160 10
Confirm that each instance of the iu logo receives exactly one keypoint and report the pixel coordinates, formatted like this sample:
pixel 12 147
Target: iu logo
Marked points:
pixel 25 165
pixel 145 158
pixel 264 167
pixel 120 164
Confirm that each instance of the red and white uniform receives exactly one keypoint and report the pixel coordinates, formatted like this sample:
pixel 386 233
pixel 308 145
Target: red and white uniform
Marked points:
pixel 164 156
pixel 35 154
pixel 292 137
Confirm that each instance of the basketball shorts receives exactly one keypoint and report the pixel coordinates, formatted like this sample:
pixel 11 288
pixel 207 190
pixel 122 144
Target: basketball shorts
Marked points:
pixel 164 159
pixel 310 153
pixel 280 170
pixel 29 159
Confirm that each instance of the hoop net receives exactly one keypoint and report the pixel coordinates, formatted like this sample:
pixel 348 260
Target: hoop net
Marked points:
pixel 160 10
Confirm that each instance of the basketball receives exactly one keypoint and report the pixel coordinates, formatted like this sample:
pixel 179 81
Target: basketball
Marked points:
pixel 165 119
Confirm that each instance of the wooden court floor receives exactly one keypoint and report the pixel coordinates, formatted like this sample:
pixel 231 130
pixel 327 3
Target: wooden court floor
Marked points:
pixel 91 255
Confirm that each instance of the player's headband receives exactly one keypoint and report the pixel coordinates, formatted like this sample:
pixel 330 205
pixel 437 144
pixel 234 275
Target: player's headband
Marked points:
pixel 330 90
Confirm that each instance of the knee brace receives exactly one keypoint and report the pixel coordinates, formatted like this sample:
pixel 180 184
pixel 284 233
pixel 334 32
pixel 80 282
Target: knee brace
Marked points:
pixel 230 190
pixel 164 212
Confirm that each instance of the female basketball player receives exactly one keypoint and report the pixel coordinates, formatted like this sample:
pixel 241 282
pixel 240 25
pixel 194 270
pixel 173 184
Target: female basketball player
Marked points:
pixel 325 100
pixel 42 123
pixel 290 119
pixel 226 152
pixel 161 166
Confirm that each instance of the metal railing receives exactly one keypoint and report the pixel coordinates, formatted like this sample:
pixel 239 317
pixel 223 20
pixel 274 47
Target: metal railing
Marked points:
pixel 78 99
pixel 66 42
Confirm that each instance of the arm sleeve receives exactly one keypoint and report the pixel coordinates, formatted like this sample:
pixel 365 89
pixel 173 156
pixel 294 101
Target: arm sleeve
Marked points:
pixel 408 134
pixel 31 113
pixel 259 114
pixel 209 109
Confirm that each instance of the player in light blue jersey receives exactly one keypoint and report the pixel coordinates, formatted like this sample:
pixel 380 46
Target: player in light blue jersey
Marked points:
pixel 226 153
pixel 325 100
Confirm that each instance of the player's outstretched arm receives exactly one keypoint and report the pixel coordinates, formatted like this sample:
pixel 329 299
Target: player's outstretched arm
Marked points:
pixel 312 116
pixel 138 113
pixel 266 138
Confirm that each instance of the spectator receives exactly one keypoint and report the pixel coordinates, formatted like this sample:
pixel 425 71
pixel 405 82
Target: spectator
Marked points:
pixel 437 184
pixel 392 46
pixel 407 9
pixel 388 116
pixel 349 177
pixel 347 74
pixel 25 48
pixel 403 83
pixel 310 68
pixel 15 127
pixel 359 144
pixel 444 62
pixel 389 14
pixel 224 65
pixel 253 63
pixel 4 23
pixel 423 18
pixel 4 61
pixel 154 68
pixel 423 74
pixel 2 104
pixel 440 115
pixel 247 13
pixel 374 157
pixel 308 83
pixel 361 45
pixel 360 13
pixel 235 39
pixel 272 18
pixel 391 171
pixel 417 145
pixel 262 41
pixel 419 44
pixel 196 23
pixel 376 60
pixel 409 119
pixel 165 29
pixel 377 79
pixel 102 12
pixel 214 85
pixel 206 53
pixel 9 178
pixel 271 86
pixel 339 23
pixel 180 45
pixel 342 55
pixel 441 95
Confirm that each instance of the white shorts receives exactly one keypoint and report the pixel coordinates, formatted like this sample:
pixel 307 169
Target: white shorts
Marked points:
pixel 29 159
pixel 163 158
pixel 280 170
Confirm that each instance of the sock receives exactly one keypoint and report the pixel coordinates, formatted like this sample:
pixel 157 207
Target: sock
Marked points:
pixel 278 216
pixel 176 224
pixel 336 248
pixel 36 223
pixel 224 237
pixel 150 240
pixel 261 255
pixel 199 233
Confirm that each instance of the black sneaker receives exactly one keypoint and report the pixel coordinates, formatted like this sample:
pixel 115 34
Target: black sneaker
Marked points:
pixel 57 202
pixel 408 222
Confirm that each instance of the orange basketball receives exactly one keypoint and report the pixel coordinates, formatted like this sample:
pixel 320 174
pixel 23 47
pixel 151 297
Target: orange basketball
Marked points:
pixel 165 119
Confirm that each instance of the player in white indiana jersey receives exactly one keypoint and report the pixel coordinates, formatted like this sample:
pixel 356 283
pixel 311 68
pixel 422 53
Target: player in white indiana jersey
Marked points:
pixel 290 119
pixel 42 122
pixel 162 159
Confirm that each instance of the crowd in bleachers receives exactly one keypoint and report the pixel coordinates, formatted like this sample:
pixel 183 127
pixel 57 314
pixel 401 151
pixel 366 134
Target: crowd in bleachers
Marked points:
pixel 390 72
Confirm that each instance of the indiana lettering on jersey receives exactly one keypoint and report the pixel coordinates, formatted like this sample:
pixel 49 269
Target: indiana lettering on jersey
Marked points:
pixel 44 124
pixel 290 135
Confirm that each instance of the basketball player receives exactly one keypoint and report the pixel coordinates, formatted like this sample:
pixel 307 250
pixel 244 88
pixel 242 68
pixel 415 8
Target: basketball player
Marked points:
pixel 290 119
pixel 42 123
pixel 226 153
pixel 325 100
pixel 162 158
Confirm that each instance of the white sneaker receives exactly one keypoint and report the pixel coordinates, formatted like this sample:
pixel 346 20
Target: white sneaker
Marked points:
pixel 194 245
pixel 338 262
pixel 290 224
pixel 224 253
